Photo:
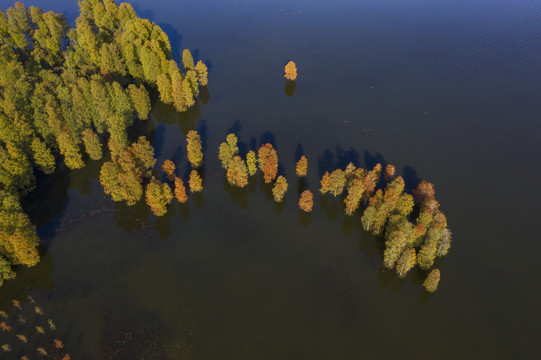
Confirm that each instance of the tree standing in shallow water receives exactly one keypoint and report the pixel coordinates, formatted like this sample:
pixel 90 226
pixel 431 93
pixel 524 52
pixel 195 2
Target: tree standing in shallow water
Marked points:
pixel 195 154
pixel 432 280
pixel 306 201
pixel 158 196
pixel 195 182
pixel 237 173
pixel 279 189
pixel 290 71
pixel 302 167
pixel 180 191
pixel 168 168
pixel 268 162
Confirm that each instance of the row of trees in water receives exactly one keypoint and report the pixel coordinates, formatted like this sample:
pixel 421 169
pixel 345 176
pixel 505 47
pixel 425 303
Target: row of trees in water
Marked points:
pixel 412 225
pixel 64 90
pixel 66 93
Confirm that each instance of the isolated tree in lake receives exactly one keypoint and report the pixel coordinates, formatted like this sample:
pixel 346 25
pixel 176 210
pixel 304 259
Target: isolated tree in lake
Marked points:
pixel 228 149
pixel 180 191
pixel 195 182
pixel 251 162
pixel 306 201
pixel 168 168
pixel 195 154
pixel 237 172
pixel 279 189
pixel 268 162
pixel 158 195
pixel 92 144
pixel 290 71
pixel 432 280
pixel 302 167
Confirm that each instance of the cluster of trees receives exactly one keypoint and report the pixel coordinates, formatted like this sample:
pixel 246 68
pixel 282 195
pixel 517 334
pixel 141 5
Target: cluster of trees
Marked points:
pixel 414 229
pixel 65 92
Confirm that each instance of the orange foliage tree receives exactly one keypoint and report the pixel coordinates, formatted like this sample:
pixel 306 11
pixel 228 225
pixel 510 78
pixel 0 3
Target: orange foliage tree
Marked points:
pixel 290 71
pixel 268 162
pixel 306 201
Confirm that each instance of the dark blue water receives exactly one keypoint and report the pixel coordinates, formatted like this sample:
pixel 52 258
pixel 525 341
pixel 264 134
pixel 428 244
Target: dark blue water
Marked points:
pixel 448 91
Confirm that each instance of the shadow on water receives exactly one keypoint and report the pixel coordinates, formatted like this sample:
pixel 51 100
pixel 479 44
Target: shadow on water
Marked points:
pixel 302 184
pixel 165 113
pixel 280 206
pixel 290 87
pixel 299 152
pixel 162 224
pixel 268 137
pixel 133 217
pixel 239 196
pixel 175 39
pixel 184 211
pixel 203 131
pixel 304 218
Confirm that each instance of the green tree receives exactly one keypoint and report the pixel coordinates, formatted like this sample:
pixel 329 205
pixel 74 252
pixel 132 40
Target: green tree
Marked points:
pixel 432 280
pixel 279 189
pixel 427 254
pixel 141 101
pixel 406 262
pixel 187 59
pixel 43 157
pixel 71 152
pixel 195 154
pixel 92 144
pixel 251 162
pixel 228 149
pixel 202 73
pixel 158 195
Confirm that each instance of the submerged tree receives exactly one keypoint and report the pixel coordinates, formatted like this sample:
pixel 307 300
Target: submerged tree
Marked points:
pixel 268 162
pixel 290 71
pixel 195 154
pixel 306 201
pixel 251 162
pixel 279 189
pixel 302 167
pixel 180 191
pixel 237 172
pixel 432 280
pixel 228 149
pixel 158 195
pixel 195 182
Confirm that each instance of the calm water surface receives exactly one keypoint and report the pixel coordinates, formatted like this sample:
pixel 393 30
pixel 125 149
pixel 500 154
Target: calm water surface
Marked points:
pixel 448 91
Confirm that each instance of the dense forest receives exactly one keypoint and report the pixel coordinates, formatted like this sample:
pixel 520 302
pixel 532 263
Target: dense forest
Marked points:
pixel 71 95
pixel 66 93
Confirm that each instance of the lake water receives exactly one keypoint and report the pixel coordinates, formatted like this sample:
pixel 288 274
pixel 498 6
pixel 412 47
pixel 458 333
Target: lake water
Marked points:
pixel 448 91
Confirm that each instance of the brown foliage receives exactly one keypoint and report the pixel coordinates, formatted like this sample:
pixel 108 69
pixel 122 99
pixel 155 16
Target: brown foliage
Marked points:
pixel 180 191
pixel 424 191
pixel 168 168
pixel 389 173
pixel 306 201
pixel 58 344
pixel 268 162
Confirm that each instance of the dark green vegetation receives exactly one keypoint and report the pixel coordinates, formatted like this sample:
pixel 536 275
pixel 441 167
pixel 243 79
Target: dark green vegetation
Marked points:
pixel 66 89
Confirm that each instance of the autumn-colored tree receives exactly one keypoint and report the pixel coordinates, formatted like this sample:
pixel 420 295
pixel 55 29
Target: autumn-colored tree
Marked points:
pixel 280 188
pixel 195 154
pixel 202 73
pixel 337 182
pixel 325 183
pixel 302 167
pixel 92 144
pixel 389 172
pixel 268 162
pixel 290 71
pixel 406 262
pixel 306 201
pixel 180 191
pixel 141 101
pixel 42 155
pixel 71 152
pixel 187 59
pixel 424 191
pixel 195 182
pixel 168 167
pixel 251 162
pixel 394 246
pixel 228 149
pixel 158 195
pixel 371 181
pixel 355 191
pixel 432 280
pixel 237 172
pixel 427 254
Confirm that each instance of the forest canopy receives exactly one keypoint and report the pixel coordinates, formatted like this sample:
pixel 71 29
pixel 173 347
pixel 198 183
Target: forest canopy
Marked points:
pixel 66 92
